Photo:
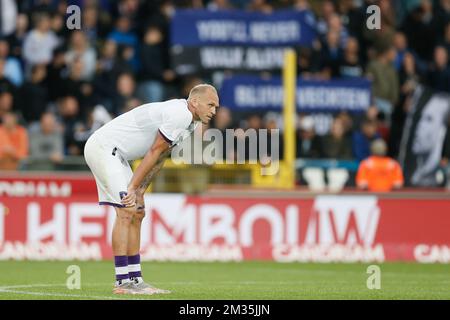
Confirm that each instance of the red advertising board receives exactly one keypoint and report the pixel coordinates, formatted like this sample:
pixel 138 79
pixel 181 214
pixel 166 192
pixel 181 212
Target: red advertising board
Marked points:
pixel 37 185
pixel 177 227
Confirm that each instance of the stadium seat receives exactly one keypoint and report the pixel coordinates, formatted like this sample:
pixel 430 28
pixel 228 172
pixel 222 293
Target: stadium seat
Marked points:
pixel 315 179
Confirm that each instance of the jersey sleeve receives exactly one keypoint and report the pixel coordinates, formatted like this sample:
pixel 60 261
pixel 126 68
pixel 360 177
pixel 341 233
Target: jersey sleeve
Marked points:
pixel 173 124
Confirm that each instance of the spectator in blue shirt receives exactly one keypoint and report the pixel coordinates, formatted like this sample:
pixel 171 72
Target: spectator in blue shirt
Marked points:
pixel 13 69
pixel 363 138
pixel 123 36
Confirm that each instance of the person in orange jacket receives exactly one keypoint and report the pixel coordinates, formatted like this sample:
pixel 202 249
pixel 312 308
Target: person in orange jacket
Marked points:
pixel 13 142
pixel 379 173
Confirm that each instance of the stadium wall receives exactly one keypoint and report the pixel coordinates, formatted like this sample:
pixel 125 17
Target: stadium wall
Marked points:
pixel 58 218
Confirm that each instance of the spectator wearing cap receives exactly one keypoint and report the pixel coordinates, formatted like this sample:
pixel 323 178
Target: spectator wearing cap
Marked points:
pixel 379 173
pixel 13 142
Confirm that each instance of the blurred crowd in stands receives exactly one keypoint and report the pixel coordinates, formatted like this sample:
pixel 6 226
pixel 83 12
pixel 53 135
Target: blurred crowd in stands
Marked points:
pixel 58 85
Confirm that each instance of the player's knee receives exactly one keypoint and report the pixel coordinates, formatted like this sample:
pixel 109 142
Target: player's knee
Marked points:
pixel 125 215
pixel 139 215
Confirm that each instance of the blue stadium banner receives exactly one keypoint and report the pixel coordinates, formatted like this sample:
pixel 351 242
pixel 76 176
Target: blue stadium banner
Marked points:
pixel 203 40
pixel 248 93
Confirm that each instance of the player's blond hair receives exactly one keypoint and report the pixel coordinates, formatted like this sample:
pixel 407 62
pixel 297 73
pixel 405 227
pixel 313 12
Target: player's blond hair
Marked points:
pixel 200 89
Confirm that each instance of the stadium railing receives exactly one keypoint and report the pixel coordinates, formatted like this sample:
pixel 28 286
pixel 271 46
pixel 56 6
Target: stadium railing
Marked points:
pixel 317 174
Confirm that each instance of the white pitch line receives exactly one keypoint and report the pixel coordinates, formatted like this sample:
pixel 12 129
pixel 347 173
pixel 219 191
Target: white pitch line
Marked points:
pixel 10 289
pixel 57 294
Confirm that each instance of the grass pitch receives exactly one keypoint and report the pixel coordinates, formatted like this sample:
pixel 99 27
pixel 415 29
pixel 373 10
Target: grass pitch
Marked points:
pixel 247 280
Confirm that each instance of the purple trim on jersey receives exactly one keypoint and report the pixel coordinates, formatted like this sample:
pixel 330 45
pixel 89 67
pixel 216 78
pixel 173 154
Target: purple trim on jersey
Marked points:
pixel 165 138
pixel 104 203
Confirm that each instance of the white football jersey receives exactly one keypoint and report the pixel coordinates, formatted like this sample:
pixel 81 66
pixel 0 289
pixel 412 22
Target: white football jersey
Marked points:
pixel 134 132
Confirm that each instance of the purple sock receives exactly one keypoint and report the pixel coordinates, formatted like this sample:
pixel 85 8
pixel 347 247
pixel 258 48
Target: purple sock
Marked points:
pixel 121 263
pixel 134 266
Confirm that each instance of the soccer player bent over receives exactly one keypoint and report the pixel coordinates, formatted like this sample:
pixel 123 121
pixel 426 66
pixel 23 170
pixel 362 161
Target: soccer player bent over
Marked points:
pixel 149 131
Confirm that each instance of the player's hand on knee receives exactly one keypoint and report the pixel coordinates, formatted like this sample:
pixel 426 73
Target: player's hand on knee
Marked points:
pixel 129 200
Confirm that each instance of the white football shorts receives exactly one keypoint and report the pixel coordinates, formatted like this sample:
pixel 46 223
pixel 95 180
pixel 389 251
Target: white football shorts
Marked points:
pixel 111 171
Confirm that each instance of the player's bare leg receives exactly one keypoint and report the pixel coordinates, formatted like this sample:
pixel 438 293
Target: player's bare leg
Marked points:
pixel 120 232
pixel 120 235
pixel 134 265
pixel 134 234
